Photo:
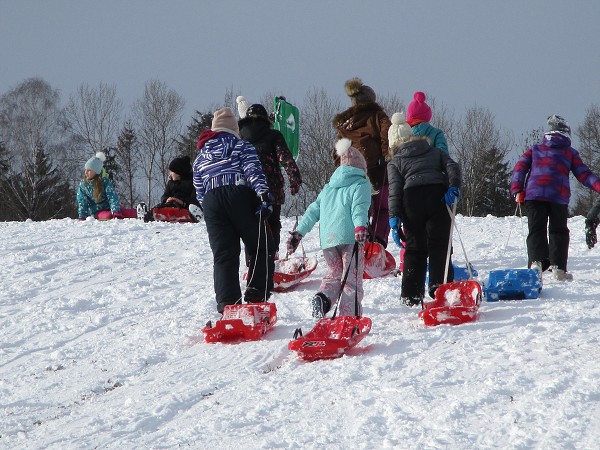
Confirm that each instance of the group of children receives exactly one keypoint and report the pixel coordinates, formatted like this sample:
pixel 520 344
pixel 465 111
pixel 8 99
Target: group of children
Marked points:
pixel 392 176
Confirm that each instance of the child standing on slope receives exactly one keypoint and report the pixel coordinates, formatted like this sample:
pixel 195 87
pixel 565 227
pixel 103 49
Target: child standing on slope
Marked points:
pixel 342 207
pixel 418 115
pixel 540 179
pixel 96 195
pixel 233 192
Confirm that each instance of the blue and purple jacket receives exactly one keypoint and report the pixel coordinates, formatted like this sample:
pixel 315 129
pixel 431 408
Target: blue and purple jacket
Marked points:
pixel 543 171
pixel 224 160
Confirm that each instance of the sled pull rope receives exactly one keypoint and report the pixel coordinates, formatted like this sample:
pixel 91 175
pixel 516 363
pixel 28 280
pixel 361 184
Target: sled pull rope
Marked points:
pixel 260 232
pixel 461 242
pixel 521 220
pixel 449 252
pixel 355 256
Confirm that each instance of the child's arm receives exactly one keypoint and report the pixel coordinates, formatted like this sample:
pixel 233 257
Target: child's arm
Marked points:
pixel 82 202
pixel 311 216
pixel 111 195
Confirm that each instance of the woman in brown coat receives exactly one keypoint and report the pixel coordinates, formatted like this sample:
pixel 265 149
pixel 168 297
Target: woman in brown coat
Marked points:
pixel 366 125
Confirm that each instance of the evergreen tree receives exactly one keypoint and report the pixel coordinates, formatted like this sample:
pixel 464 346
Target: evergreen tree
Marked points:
pixel 125 157
pixel 494 195
pixel 187 142
pixel 39 192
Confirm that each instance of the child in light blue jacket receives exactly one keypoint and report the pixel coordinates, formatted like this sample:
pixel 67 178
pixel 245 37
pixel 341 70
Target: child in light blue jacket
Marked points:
pixel 342 208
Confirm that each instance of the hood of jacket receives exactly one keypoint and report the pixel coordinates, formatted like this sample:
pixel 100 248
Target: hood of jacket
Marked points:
pixel 253 129
pixel 346 175
pixel 359 114
pixel 413 148
pixel 555 140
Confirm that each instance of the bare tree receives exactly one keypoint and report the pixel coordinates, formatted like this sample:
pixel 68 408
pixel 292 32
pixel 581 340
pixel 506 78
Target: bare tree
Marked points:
pixel 481 149
pixel 94 115
pixel 158 121
pixel 589 137
pixel 317 139
pixel 29 120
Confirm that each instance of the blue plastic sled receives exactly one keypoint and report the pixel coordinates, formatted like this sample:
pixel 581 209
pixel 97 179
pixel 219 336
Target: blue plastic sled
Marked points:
pixel 460 273
pixel 512 284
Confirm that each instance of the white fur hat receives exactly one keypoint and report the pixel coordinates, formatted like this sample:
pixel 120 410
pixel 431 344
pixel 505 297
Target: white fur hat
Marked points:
pixel 399 131
pixel 349 156
pixel 242 106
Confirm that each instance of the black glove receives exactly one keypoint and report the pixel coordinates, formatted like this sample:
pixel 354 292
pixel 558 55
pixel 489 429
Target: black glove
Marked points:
pixel 265 208
pixel 590 232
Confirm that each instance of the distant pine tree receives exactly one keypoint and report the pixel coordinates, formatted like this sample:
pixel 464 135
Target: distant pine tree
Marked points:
pixel 187 143
pixel 40 192
pixel 125 156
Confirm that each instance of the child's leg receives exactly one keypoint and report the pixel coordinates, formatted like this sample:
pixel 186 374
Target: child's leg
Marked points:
pixel 330 285
pixel 353 289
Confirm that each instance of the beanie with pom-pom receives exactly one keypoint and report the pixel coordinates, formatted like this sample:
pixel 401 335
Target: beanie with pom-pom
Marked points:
pixel 242 106
pixel 418 111
pixel 359 92
pixel 399 131
pixel 95 163
pixel 349 156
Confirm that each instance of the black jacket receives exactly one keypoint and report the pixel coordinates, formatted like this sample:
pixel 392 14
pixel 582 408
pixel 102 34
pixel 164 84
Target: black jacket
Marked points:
pixel 416 163
pixel 182 189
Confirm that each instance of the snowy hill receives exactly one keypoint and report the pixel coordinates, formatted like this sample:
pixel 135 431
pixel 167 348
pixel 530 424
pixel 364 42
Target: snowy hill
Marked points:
pixel 100 346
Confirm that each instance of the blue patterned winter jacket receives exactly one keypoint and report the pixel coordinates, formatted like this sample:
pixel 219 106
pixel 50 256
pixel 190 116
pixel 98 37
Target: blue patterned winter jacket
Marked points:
pixel 87 206
pixel 224 160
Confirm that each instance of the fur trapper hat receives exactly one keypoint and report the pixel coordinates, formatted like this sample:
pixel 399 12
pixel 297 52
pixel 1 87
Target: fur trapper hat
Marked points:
pixel 399 131
pixel 242 106
pixel 224 120
pixel 96 163
pixel 359 92
pixel 418 110
pixel 181 166
pixel 350 156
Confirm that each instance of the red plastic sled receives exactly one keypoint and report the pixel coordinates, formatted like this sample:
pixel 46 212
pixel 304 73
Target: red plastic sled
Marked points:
pixel 243 322
pixel 378 261
pixel 291 271
pixel 330 338
pixel 455 303
pixel 171 214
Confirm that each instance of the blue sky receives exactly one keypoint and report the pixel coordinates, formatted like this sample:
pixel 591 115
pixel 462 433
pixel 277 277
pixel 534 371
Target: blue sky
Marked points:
pixel 522 59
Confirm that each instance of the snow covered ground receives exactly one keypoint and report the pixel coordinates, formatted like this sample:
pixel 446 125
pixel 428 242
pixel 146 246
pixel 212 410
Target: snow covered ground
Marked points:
pixel 100 347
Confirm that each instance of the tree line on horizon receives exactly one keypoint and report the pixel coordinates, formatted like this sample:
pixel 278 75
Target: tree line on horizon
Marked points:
pixel 44 145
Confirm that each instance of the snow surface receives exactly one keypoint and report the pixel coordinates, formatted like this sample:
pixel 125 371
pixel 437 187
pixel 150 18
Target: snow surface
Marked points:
pixel 100 347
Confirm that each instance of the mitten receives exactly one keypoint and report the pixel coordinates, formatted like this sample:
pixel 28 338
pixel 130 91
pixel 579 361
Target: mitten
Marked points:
pixel 293 242
pixel 265 208
pixel 395 224
pixel 361 234
pixel 294 188
pixel 591 238
pixel 117 215
pixel 453 195
pixel 520 197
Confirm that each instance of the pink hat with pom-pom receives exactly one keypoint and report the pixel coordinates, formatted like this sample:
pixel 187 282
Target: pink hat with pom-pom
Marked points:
pixel 418 110
pixel 349 156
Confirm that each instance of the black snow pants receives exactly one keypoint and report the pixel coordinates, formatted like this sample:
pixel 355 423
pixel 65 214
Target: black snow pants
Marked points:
pixel 229 214
pixel 548 238
pixel 426 225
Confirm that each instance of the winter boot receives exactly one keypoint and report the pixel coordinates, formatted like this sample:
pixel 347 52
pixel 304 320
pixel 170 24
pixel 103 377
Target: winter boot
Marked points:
pixel 253 295
pixel 561 275
pixel 142 210
pixel 538 267
pixel 411 301
pixel 196 212
pixel 320 305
